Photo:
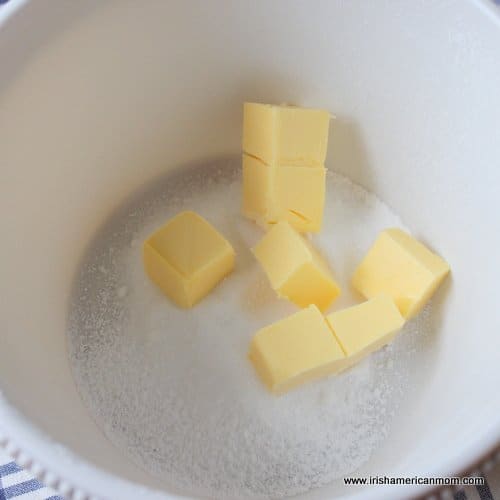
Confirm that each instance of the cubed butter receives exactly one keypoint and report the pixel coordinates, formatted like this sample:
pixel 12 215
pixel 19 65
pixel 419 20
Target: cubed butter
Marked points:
pixel 284 149
pixel 299 195
pixel 295 350
pixel 295 269
pixel 187 257
pixel 366 327
pixel 293 194
pixel 258 181
pixel 402 267
pixel 285 135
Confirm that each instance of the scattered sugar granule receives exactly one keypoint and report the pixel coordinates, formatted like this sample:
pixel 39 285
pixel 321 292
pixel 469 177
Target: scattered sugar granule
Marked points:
pixel 173 388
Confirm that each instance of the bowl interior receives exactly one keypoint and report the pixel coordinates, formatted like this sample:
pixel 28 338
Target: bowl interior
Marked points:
pixel 98 99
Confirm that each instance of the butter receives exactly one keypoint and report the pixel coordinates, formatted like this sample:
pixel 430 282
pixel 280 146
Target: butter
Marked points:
pixel 402 267
pixel 285 135
pixel 293 194
pixel 295 269
pixel 295 350
pixel 257 190
pixel 299 194
pixel 366 327
pixel 284 150
pixel 187 257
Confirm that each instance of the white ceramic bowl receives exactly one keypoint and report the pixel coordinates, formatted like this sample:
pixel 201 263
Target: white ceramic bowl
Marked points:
pixel 96 98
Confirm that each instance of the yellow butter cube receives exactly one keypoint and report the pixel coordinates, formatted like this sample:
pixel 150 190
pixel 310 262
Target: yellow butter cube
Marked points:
pixel 257 190
pixel 295 269
pixel 402 267
pixel 187 257
pixel 299 194
pixel 366 327
pixel 295 350
pixel 294 194
pixel 285 135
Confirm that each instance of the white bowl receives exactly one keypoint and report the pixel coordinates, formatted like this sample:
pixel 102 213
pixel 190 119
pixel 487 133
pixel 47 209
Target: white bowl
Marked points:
pixel 97 98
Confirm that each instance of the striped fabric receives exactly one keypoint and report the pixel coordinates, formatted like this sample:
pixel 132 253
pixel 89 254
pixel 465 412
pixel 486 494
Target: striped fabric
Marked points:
pixel 490 490
pixel 18 484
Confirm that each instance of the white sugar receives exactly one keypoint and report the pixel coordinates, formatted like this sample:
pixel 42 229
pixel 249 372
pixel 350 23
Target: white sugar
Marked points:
pixel 174 390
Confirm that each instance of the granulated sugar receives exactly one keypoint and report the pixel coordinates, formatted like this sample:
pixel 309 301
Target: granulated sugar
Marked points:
pixel 173 389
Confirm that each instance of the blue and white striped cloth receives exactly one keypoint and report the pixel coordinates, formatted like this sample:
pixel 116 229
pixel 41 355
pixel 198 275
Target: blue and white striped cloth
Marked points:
pixel 17 484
